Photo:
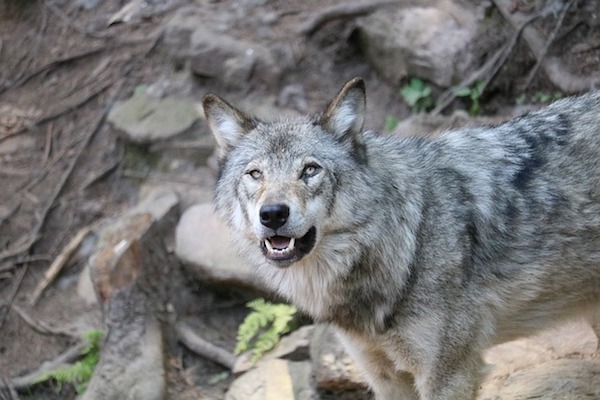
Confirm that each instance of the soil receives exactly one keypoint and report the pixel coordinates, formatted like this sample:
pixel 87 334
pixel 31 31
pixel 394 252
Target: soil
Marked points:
pixel 63 168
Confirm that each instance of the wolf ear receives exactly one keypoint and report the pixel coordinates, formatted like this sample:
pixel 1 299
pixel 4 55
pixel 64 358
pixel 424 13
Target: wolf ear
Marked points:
pixel 345 114
pixel 227 123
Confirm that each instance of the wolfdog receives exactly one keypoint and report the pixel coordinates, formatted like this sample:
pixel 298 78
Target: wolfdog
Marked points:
pixel 421 252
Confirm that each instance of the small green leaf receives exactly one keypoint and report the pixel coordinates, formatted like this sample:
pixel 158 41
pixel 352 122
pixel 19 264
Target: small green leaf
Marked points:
pixel 462 92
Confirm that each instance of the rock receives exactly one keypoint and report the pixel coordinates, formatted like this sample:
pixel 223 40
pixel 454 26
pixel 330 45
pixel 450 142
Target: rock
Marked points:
pixel 274 379
pixel 333 368
pixel 293 347
pixel 217 55
pixel 554 380
pixel 427 42
pixel 145 119
pixel 202 242
pixel 513 363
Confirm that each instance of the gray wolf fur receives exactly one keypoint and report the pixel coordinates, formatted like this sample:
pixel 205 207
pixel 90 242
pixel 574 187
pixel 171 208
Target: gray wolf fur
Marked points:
pixel 422 252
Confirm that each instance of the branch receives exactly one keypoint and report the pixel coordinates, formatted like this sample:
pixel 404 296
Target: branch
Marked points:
pixel 203 348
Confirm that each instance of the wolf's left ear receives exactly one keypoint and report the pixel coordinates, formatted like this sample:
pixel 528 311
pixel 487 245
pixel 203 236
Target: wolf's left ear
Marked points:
pixel 227 123
pixel 345 114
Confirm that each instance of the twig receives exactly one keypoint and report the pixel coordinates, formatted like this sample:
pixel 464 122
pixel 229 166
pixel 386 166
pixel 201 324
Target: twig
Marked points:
pixel 549 41
pixel 489 69
pixel 556 72
pixel 48 145
pixel 60 113
pixel 54 64
pixel 100 174
pixel 70 355
pixel 340 11
pixel 40 326
pixel 13 264
pixel 203 348
pixel 59 262
pixel 34 234
pixel 11 389
pixel 11 299
pixel 30 55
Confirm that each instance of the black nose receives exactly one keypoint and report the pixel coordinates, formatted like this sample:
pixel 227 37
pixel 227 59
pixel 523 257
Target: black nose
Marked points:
pixel 274 215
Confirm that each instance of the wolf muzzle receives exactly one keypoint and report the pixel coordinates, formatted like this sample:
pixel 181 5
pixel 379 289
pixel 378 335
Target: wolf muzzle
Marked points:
pixel 283 249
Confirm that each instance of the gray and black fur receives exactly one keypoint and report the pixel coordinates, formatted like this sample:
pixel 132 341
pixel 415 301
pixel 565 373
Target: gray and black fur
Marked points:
pixel 422 252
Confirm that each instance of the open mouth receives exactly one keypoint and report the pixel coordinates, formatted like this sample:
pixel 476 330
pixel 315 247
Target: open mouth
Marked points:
pixel 283 248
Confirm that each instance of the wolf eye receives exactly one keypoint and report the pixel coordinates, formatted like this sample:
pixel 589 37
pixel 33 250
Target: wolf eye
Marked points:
pixel 310 170
pixel 255 174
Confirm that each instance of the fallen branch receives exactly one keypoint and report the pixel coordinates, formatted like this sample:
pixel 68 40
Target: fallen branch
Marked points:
pixel 487 72
pixel 56 114
pixel 40 326
pixel 12 392
pixel 549 41
pixel 59 262
pixel 25 381
pixel 555 70
pixel 13 264
pixel 195 343
pixel 340 11
pixel 11 299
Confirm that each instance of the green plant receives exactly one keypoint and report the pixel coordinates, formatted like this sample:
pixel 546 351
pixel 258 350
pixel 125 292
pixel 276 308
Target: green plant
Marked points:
pixel 263 327
pixel 80 372
pixel 539 98
pixel 474 93
pixel 417 95
pixel 391 122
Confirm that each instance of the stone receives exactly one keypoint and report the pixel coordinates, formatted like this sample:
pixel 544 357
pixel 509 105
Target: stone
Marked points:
pixel 144 119
pixel 429 42
pixel 274 379
pixel 519 361
pixel 293 347
pixel 554 380
pixel 333 368
pixel 209 53
pixel 204 245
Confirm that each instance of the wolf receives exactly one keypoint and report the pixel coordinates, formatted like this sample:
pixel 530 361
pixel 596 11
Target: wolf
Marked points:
pixel 421 252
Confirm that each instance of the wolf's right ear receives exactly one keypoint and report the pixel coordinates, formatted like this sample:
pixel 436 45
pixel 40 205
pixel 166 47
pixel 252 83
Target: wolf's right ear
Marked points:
pixel 227 123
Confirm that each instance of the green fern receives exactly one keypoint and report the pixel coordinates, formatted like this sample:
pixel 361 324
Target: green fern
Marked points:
pixel 263 327
pixel 80 372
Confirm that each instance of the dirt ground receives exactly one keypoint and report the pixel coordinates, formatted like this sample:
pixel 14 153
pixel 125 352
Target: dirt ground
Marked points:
pixel 62 166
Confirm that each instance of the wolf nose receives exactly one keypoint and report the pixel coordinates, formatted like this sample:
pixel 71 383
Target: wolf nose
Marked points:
pixel 274 215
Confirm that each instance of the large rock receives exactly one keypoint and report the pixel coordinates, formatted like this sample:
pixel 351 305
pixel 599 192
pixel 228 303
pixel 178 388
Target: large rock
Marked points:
pixel 203 243
pixel 218 55
pixel 559 379
pixel 429 42
pixel 144 118
pixel 274 379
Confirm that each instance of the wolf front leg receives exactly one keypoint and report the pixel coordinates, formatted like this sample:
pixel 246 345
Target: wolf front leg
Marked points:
pixel 386 382
pixel 453 377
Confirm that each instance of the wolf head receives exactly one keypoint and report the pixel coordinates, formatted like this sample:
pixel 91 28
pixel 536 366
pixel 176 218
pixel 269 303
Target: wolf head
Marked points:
pixel 279 181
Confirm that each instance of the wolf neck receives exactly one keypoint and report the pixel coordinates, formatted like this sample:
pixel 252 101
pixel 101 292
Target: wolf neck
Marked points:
pixel 348 275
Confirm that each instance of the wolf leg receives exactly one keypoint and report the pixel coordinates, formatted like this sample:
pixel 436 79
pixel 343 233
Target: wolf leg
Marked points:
pixel 453 379
pixel 386 382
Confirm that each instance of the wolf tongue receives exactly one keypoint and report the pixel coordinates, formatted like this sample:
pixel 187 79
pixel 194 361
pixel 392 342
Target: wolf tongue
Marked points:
pixel 280 242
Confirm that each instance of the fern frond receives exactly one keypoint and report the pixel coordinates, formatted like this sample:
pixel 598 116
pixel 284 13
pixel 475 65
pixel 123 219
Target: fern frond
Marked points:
pixel 263 327
pixel 80 372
